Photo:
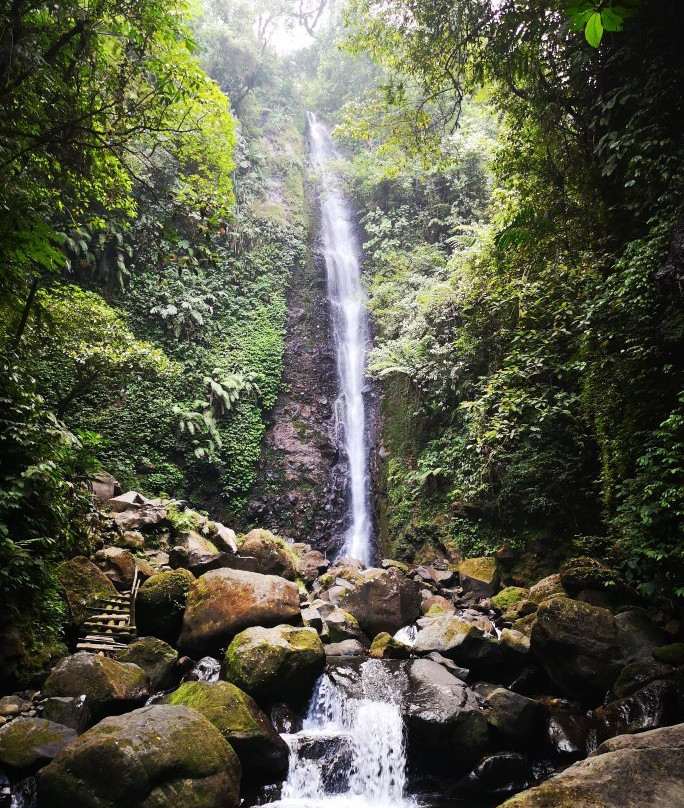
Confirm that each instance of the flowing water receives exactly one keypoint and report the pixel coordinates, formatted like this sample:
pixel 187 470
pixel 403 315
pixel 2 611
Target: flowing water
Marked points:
pixel 349 321
pixel 350 752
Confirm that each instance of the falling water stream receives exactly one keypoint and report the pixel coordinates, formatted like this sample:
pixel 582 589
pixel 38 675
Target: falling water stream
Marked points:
pixel 350 752
pixel 349 321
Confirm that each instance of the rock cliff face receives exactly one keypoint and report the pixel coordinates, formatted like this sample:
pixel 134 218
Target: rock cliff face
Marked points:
pixel 300 489
pixel 296 494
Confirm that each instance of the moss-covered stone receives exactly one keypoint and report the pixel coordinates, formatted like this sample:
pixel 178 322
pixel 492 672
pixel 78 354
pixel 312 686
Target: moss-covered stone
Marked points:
pixel 340 625
pixel 155 657
pixel 509 596
pixel 275 663
pixel 273 555
pixel 672 654
pixel 154 757
pixel 223 602
pixel 462 641
pixel 590 573
pixel 83 583
pixel 384 646
pixel 547 588
pixel 109 686
pixel 479 575
pixel 262 752
pixel 160 604
pixel 26 744
pixel 577 645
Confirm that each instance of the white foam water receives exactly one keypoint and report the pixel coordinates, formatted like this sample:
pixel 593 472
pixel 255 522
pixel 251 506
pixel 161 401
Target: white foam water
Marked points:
pixel 351 751
pixel 349 321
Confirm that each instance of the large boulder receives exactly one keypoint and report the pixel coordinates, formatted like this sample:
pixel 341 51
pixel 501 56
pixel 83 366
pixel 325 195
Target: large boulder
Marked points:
pixel 154 757
pixel 446 728
pixel 83 584
pixel 109 686
pixel 160 604
pixel 275 663
pixel 262 752
pixel 480 576
pixel 158 659
pixel 311 564
pixel 26 744
pixel 577 645
pixel 386 602
pixel 513 717
pixel 630 771
pixel 651 706
pixel 120 566
pixel 547 588
pixel 224 602
pixel 464 642
pixel 272 555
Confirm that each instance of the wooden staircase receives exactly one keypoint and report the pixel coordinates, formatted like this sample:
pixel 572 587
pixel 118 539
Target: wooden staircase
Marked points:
pixel 112 625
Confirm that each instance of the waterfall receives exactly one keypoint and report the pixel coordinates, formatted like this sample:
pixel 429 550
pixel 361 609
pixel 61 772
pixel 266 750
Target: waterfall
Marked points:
pixel 350 752
pixel 349 322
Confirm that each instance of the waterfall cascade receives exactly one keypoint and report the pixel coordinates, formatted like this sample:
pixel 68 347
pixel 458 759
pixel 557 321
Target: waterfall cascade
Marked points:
pixel 349 321
pixel 350 752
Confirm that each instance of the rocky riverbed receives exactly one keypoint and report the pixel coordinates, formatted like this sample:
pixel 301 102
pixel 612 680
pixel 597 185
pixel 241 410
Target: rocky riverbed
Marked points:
pixel 570 691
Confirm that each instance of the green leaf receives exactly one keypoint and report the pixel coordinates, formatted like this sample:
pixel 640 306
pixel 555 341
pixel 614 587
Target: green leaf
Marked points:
pixel 611 20
pixel 594 30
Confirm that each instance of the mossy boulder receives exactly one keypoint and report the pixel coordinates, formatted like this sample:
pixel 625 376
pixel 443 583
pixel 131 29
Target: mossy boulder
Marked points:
pixel 83 583
pixel 582 573
pixel 262 752
pixel 387 601
pixel 271 664
pixel 672 654
pixel 157 658
pixel 630 771
pixel 480 576
pixel 339 626
pixel 508 597
pixel 26 744
pixel 109 686
pixel 160 604
pixel 547 588
pixel 273 555
pixel 384 646
pixel 223 602
pixel 636 674
pixel 154 757
pixel 577 645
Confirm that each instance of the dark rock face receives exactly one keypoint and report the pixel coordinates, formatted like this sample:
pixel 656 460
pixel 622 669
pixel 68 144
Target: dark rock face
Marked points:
pixel 26 744
pixel 577 645
pixel 446 728
pixel 262 752
pixel 385 602
pixel 297 492
pixel 160 604
pixel 224 602
pixel 500 775
pixel 630 771
pixel 153 757
pixel 109 686
pixel 515 718
pixel 652 706
pixel 71 711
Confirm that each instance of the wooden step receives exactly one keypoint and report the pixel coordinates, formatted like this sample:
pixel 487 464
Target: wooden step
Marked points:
pixel 110 617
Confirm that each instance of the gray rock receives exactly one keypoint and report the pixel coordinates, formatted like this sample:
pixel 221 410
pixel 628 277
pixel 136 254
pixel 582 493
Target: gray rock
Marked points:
pixel 70 711
pixel 26 744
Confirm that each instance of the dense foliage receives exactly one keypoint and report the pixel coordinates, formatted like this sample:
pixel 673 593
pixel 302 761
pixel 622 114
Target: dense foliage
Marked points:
pixel 536 343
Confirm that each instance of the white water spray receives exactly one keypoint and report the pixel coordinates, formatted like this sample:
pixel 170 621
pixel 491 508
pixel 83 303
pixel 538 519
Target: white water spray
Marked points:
pixel 349 321
pixel 350 752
